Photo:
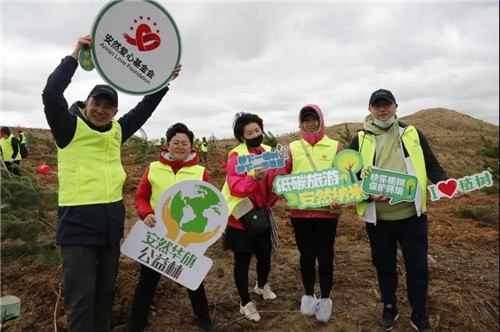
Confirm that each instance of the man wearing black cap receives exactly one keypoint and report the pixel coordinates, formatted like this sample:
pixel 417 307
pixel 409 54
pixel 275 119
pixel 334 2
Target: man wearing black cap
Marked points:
pixel 387 143
pixel 91 211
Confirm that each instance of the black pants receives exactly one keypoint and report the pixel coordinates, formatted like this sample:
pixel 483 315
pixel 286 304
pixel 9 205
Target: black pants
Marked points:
pixel 315 238
pixel 89 277
pixel 411 233
pixel 241 268
pixel 143 297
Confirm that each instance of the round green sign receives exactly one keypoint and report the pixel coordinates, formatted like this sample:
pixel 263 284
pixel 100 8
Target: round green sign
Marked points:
pixel 135 46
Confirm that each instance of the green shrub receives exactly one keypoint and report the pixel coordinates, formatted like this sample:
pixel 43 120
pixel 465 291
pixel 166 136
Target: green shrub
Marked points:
pixel 345 137
pixel 140 150
pixel 489 149
pixel 28 216
pixel 212 144
pixel 481 213
pixel 270 139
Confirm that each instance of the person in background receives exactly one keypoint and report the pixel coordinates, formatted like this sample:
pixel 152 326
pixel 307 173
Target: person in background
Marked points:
pixel 387 143
pixel 22 136
pixel 204 149
pixel 91 212
pixel 256 188
pixel 197 145
pixel 314 228
pixel 159 143
pixel 177 162
pixel 11 154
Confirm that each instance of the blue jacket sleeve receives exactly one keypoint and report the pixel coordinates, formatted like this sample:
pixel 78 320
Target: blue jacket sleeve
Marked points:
pixel 136 117
pixel 62 124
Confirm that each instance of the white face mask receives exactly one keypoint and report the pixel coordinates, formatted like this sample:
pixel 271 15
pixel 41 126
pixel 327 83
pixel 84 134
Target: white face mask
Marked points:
pixel 384 124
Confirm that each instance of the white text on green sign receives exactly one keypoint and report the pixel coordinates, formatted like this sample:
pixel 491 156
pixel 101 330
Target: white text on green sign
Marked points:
pixel 398 186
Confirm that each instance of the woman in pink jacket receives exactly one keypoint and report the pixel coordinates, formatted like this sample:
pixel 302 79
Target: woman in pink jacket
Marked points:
pixel 255 189
pixel 314 229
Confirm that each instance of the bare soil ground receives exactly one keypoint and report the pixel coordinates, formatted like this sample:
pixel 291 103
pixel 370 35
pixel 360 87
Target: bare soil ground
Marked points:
pixel 463 258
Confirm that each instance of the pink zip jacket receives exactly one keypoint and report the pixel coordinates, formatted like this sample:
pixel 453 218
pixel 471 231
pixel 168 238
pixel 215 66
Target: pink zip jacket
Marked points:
pixel 244 185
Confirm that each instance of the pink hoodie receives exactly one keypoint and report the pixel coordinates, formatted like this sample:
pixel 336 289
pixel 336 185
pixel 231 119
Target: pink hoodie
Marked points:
pixel 314 137
pixel 311 139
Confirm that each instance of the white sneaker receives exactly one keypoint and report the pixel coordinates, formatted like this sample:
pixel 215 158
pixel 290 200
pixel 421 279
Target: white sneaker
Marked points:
pixel 324 310
pixel 265 291
pixel 308 305
pixel 250 311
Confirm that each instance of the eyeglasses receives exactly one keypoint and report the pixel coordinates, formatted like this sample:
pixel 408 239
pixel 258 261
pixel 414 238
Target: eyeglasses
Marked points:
pixel 378 106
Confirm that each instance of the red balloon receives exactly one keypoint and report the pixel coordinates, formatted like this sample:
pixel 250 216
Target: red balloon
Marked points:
pixel 43 169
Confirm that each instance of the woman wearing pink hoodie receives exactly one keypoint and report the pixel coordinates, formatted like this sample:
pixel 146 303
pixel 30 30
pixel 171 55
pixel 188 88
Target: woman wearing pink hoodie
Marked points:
pixel 314 228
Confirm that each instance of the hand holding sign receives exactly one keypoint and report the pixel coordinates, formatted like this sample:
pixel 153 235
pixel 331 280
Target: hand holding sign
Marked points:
pixel 266 160
pixel 83 42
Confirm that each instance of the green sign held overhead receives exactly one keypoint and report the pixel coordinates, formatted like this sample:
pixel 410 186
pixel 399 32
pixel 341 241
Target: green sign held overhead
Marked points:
pixel 399 187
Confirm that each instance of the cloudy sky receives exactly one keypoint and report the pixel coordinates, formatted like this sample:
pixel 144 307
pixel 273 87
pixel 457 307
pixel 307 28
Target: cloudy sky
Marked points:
pixel 271 58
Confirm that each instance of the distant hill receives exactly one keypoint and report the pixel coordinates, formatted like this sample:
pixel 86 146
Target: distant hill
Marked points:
pixel 454 137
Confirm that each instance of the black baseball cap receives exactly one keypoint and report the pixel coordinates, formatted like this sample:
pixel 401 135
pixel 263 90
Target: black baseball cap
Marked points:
pixel 103 89
pixel 308 111
pixel 382 94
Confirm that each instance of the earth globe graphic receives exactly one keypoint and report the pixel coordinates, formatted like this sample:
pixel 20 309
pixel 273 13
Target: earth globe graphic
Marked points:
pixel 192 209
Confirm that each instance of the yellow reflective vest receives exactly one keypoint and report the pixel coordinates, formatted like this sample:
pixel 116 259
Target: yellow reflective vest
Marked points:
pixel 23 139
pixel 322 154
pixel 89 167
pixel 161 176
pixel 203 147
pixel 415 165
pixel 231 200
pixel 7 149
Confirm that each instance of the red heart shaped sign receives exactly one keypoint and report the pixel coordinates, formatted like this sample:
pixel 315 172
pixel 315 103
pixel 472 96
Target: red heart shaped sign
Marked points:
pixel 448 188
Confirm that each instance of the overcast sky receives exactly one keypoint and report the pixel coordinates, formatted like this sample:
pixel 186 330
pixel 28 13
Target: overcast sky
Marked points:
pixel 271 58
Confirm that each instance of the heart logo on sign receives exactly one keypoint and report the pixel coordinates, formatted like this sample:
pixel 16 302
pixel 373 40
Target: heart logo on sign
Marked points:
pixel 145 39
pixel 448 188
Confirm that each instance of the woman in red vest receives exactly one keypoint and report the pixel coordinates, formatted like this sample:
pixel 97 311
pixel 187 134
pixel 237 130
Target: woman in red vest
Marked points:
pixel 178 155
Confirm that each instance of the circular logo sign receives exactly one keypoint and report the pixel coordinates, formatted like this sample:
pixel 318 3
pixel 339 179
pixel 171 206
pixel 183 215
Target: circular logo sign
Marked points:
pixel 193 212
pixel 135 46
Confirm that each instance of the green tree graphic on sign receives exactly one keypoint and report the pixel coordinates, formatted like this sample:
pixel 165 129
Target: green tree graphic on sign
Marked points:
pixel 410 184
pixel 348 161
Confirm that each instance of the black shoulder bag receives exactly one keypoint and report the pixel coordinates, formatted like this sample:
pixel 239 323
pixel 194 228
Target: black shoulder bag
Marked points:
pixel 258 220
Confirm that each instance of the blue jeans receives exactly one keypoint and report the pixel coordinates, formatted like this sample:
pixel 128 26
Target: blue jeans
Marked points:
pixel 89 278
pixel 411 233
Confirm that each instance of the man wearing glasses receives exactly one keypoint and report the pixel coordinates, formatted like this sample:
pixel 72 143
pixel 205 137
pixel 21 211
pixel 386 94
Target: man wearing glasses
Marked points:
pixel 91 212
pixel 389 144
